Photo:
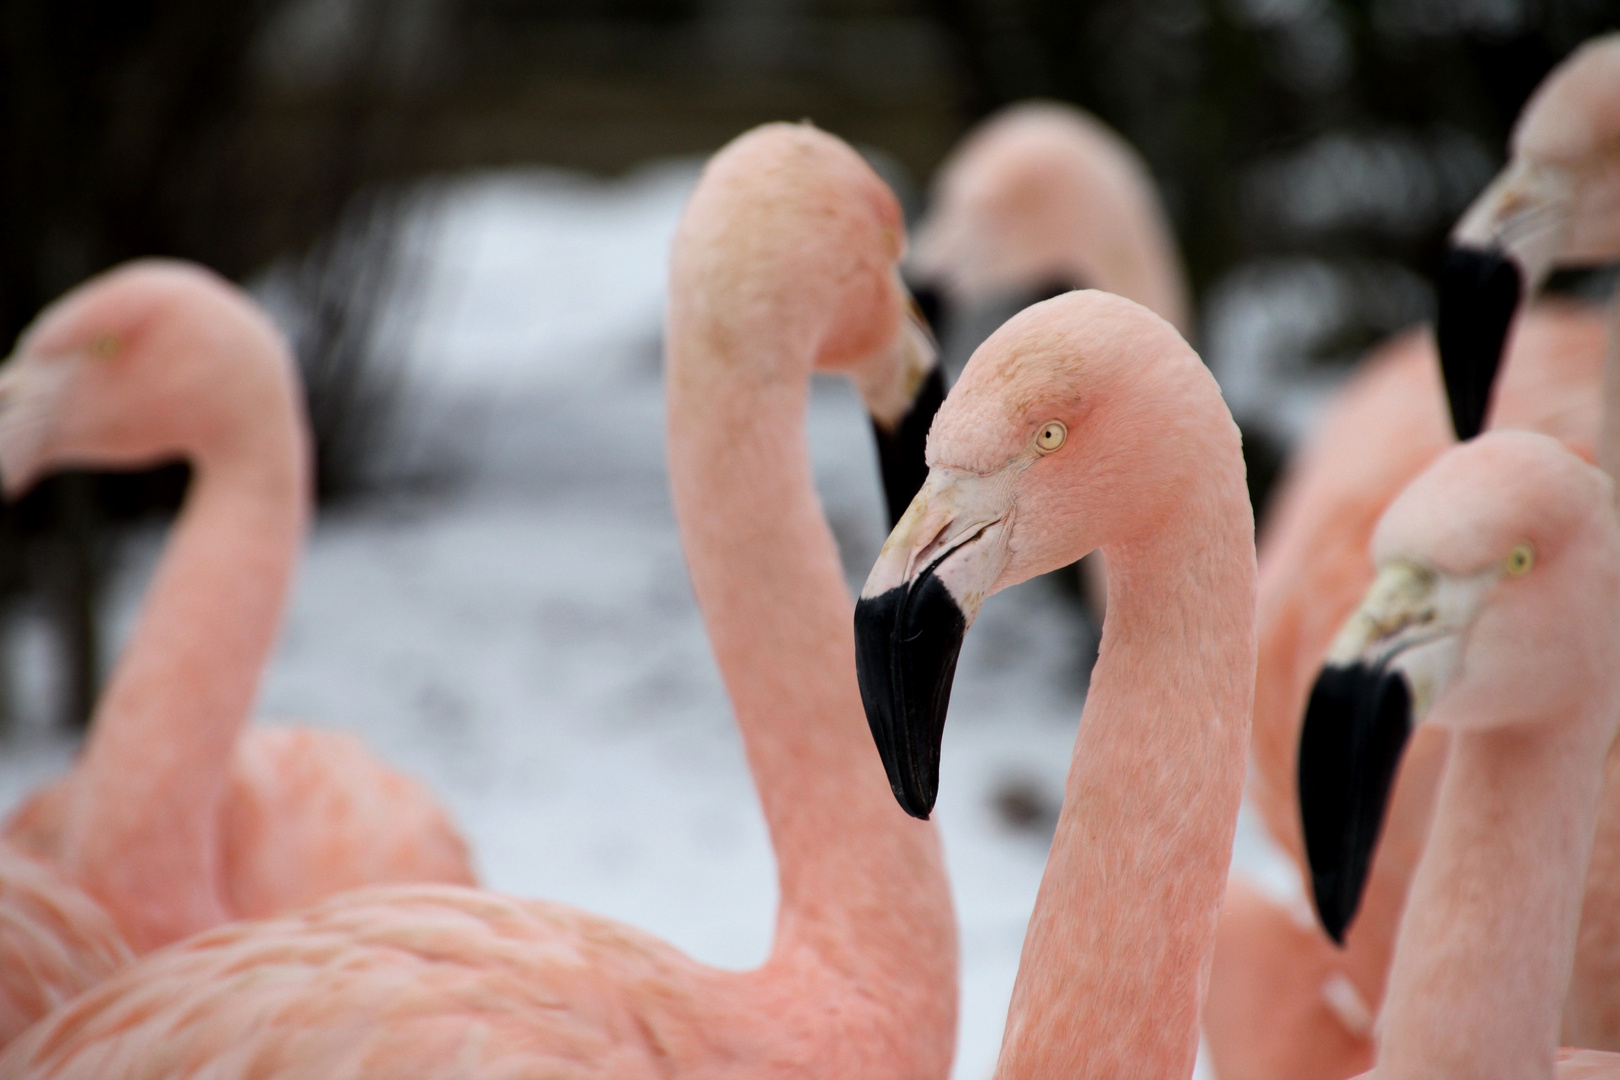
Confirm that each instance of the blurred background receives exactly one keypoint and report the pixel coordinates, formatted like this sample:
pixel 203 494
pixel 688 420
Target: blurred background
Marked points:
pixel 459 211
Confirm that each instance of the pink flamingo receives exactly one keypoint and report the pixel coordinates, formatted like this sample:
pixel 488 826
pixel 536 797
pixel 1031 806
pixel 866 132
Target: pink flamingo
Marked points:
pixel 1043 195
pixel 784 261
pixel 1086 421
pixel 174 818
pixel 1492 616
pixel 1556 201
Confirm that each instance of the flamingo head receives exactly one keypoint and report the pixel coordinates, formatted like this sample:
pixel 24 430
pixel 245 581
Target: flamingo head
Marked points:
pixel 1068 430
pixel 1492 606
pixel 791 237
pixel 151 361
pixel 1558 200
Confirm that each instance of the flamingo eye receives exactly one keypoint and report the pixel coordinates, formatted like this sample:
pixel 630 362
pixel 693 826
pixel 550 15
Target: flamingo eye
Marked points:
pixel 105 345
pixel 1051 436
pixel 1520 559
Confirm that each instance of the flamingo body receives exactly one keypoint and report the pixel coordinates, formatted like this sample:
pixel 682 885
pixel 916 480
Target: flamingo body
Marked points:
pixel 174 819
pixel 370 982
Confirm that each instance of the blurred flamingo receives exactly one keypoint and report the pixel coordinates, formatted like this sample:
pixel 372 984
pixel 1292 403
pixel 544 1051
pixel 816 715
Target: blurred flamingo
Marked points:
pixel 1087 421
pixel 1042 198
pixel 1556 204
pixel 784 262
pixel 175 818
pixel 1493 616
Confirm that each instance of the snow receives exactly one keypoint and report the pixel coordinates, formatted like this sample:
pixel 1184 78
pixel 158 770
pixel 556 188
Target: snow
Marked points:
pixel 527 641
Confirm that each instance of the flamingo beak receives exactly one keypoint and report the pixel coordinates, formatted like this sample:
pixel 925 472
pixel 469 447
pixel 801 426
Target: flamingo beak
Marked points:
pixel 940 562
pixel 30 391
pixel 1499 253
pixel 931 305
pixel 902 428
pixel 1389 663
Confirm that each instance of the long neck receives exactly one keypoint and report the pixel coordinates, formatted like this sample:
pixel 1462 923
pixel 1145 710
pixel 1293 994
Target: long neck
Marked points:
pixel 1488 936
pixel 863 889
pixel 142 832
pixel 1118 950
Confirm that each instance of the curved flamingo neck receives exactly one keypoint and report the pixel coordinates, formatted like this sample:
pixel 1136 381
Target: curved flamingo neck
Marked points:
pixel 864 897
pixel 1487 940
pixel 1118 949
pixel 156 762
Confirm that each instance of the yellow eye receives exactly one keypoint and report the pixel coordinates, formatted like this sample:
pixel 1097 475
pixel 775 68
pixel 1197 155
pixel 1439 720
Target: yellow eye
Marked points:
pixel 1520 559
pixel 1051 436
pixel 105 345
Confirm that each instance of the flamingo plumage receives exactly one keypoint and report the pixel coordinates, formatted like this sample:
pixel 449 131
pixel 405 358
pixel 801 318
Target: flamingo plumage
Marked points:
pixel 784 261
pixel 176 818
pixel 1492 616
pixel 55 942
pixel 1087 422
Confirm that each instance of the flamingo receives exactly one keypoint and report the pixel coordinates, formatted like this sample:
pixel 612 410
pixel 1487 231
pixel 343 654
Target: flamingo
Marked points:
pixel 784 262
pixel 175 818
pixel 1493 616
pixel 1555 202
pixel 1086 421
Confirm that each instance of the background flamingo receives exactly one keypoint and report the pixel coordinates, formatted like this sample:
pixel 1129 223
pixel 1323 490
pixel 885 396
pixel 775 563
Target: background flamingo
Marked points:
pixel 174 818
pixel 1086 421
pixel 1557 203
pixel 1498 569
pixel 1043 197
pixel 784 261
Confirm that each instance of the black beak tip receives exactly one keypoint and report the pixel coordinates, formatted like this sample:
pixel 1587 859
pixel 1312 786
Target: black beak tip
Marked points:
pixel 906 645
pixel 1350 747
pixel 1333 914
pixel 917 801
pixel 1479 292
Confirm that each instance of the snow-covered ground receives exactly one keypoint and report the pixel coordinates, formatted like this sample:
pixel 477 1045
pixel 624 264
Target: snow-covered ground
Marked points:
pixel 528 643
